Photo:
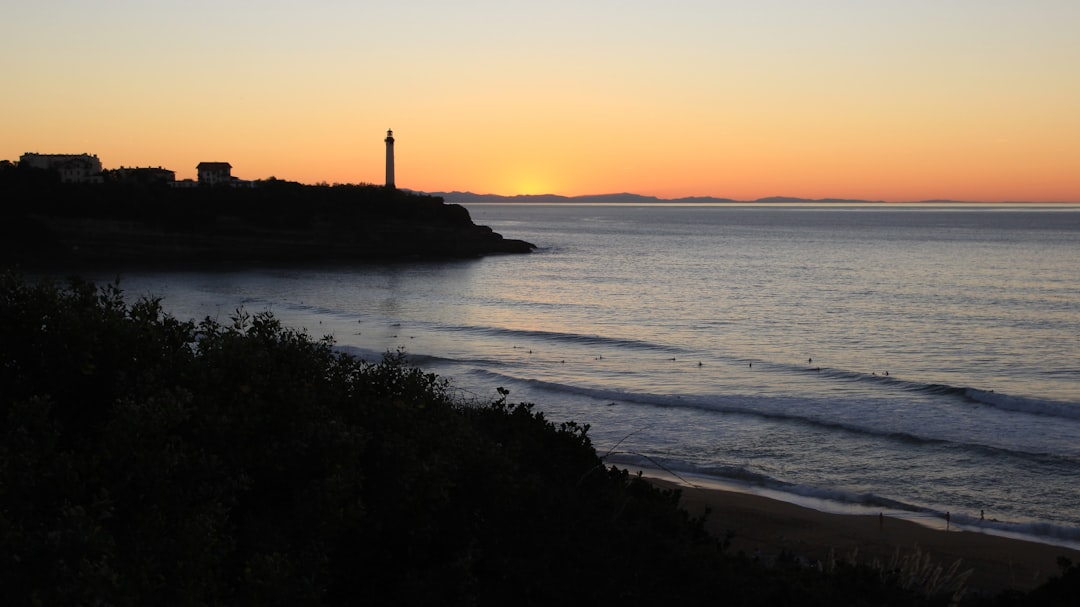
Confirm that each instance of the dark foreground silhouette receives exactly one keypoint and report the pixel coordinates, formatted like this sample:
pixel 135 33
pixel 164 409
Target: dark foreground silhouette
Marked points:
pixel 44 223
pixel 146 460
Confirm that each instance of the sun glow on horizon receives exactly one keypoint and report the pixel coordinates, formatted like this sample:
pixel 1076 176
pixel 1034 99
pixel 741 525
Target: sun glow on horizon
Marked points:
pixel 527 182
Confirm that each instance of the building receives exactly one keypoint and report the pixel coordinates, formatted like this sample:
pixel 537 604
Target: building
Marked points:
pixel 73 168
pixel 214 173
pixel 143 175
pixel 389 158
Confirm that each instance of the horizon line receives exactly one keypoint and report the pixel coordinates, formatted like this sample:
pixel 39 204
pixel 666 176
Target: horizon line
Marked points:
pixel 723 199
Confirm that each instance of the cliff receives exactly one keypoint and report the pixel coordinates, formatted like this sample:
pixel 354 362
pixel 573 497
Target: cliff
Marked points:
pixel 55 225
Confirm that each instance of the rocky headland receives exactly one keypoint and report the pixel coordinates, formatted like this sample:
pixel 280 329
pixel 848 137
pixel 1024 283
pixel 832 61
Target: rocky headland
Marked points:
pixel 69 225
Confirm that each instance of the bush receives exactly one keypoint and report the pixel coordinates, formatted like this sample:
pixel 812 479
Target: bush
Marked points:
pixel 146 460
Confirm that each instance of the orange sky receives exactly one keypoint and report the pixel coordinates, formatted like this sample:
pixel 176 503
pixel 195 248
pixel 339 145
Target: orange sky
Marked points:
pixel 890 100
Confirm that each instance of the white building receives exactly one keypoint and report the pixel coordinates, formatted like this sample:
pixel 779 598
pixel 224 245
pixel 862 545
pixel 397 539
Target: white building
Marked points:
pixel 73 168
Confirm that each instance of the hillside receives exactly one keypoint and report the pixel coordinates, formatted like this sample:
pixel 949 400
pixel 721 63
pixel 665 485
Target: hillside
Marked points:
pixel 148 460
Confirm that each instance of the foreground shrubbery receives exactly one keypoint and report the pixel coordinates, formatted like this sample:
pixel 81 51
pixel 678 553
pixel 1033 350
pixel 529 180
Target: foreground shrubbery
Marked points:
pixel 145 460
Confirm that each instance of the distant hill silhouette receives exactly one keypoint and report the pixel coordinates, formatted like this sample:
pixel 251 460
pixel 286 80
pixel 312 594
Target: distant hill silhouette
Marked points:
pixel 793 199
pixel 624 197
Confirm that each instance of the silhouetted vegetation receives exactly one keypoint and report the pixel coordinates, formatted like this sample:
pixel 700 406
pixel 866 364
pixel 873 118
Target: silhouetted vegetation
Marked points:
pixel 146 460
pixel 51 223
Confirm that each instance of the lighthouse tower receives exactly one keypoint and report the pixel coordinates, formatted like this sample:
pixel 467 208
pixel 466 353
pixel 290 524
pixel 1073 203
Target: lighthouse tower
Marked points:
pixel 389 158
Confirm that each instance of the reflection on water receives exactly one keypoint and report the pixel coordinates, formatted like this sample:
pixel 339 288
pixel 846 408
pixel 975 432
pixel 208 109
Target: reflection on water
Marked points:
pixel 921 360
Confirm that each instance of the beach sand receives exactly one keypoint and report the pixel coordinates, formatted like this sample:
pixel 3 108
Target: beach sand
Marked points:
pixel 761 526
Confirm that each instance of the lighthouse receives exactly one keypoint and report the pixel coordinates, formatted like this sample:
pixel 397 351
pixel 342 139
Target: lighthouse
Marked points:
pixel 389 158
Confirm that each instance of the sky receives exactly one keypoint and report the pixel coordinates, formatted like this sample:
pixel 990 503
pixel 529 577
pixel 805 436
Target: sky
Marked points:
pixel 893 100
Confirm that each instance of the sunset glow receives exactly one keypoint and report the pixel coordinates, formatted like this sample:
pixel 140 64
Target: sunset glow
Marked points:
pixel 889 100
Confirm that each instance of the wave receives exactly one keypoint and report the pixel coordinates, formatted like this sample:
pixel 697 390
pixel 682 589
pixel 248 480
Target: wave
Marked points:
pixel 418 360
pixel 989 398
pixel 565 338
pixel 802 410
pixel 1019 404
pixel 364 354
pixel 534 336
pixel 845 502
pixel 748 479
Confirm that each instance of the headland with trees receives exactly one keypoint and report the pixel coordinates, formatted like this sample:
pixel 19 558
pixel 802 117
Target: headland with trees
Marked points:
pixel 46 222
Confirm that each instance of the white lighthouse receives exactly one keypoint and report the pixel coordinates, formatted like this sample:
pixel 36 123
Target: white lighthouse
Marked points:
pixel 389 158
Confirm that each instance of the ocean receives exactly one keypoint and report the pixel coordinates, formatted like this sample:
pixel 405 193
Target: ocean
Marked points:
pixel 913 360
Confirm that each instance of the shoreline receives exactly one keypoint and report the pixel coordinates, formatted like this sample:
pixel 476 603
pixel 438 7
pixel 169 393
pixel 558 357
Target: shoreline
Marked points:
pixel 764 527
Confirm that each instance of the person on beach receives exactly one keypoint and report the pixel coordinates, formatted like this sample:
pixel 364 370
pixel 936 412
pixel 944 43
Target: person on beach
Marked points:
pixel 947 520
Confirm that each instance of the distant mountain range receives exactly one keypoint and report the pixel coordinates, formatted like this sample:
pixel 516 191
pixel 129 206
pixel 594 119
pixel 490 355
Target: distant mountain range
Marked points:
pixel 621 197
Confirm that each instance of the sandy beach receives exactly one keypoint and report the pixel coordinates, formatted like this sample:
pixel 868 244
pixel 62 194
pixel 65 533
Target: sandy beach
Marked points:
pixel 764 527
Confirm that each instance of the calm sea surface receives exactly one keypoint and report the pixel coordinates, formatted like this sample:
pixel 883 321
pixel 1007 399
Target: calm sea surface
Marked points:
pixel 910 360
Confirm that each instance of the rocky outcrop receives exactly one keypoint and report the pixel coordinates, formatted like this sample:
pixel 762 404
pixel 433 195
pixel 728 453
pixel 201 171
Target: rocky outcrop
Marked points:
pixel 275 223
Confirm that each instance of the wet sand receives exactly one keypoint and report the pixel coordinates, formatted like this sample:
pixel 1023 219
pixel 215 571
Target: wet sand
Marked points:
pixel 764 527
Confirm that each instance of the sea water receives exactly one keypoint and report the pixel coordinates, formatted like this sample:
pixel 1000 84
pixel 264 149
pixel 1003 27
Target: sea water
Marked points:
pixel 910 360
